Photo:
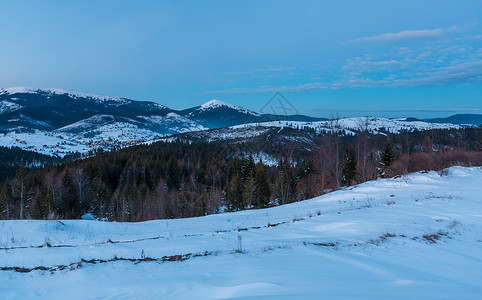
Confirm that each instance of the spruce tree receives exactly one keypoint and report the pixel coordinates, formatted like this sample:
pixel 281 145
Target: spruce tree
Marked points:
pixel 71 207
pixel 387 156
pixel 263 192
pixel 173 176
pixel 235 194
pixel 348 166
pixel 249 192
pixel 247 168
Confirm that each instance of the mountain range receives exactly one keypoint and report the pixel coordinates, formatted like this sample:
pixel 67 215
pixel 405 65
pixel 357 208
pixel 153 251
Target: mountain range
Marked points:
pixel 460 119
pixel 73 112
pixel 56 121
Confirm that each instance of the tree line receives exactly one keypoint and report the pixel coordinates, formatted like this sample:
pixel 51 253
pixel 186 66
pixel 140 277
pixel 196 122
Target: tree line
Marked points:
pixel 182 179
pixel 11 158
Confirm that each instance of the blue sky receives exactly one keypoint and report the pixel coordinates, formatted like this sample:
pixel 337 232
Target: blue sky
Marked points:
pixel 383 58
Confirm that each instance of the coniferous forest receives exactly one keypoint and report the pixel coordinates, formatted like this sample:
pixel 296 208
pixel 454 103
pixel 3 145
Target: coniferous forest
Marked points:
pixel 186 179
pixel 11 158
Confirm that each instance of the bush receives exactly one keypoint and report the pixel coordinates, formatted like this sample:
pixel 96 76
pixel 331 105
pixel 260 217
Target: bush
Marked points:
pixel 436 161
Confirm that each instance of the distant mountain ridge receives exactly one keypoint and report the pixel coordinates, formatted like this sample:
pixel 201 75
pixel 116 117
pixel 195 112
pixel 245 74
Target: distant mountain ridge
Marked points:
pixel 60 121
pixel 460 119
pixel 54 109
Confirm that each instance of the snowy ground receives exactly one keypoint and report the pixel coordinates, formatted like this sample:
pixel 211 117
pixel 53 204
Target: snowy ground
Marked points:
pixel 44 142
pixel 352 125
pixel 60 143
pixel 417 236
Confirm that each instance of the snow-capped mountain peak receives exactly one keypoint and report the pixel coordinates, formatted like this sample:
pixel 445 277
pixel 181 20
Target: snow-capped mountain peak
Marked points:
pixel 212 104
pixel 216 103
pixel 55 91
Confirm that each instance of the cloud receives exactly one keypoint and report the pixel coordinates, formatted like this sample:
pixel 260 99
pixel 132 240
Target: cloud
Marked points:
pixel 278 69
pixel 447 61
pixel 440 62
pixel 464 73
pixel 361 65
pixel 254 71
pixel 312 86
pixel 227 77
pixel 405 35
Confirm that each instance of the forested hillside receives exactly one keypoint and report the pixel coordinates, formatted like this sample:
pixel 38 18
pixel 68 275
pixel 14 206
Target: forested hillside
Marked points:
pixel 185 179
pixel 11 158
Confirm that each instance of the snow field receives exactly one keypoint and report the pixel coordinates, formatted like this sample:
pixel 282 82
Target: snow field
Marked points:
pixel 417 236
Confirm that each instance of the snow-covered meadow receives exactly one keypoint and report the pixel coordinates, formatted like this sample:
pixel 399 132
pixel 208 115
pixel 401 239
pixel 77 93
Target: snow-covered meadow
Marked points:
pixel 44 142
pixel 417 236
pixel 352 125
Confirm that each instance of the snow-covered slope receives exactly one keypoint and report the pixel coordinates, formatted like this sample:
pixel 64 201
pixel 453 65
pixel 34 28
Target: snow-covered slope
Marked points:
pixel 6 106
pixel 89 123
pixel 52 91
pixel 352 125
pixel 414 237
pixel 214 104
pixel 304 134
pixel 218 114
pixel 384 124
pixel 44 142
pixel 174 123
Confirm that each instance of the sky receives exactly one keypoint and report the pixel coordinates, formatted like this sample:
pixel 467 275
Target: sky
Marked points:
pixel 347 58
